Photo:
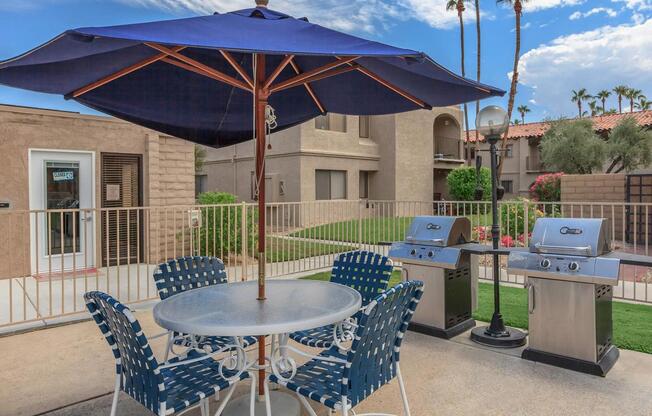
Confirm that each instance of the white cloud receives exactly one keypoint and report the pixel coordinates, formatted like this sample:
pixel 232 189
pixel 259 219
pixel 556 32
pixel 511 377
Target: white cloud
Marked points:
pixel 606 10
pixel 523 27
pixel 639 5
pixel 595 60
pixel 535 5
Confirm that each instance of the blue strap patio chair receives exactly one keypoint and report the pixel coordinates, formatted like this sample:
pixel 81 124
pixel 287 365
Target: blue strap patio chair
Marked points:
pixel 174 386
pixel 364 271
pixel 187 273
pixel 340 381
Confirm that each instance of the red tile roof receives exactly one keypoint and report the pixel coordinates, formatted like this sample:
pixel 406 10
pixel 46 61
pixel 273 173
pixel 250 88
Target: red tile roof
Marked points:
pixel 601 123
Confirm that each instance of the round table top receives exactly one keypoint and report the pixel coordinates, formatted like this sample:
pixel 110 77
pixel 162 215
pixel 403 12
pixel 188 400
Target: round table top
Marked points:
pixel 231 309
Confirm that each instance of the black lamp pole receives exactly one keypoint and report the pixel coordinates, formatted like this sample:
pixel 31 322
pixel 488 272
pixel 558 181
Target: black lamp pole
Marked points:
pixel 496 334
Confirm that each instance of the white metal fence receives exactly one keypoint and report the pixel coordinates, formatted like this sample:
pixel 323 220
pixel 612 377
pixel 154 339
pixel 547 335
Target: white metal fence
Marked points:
pixel 50 258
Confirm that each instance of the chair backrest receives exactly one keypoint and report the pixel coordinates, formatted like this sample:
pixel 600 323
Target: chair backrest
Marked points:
pixel 134 358
pixel 375 350
pixel 364 271
pixel 187 273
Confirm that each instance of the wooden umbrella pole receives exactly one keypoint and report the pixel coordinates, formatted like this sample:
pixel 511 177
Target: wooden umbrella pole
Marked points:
pixel 260 97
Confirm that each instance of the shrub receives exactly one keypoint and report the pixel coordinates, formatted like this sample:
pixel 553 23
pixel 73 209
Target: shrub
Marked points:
pixel 512 216
pixel 462 182
pixel 221 228
pixel 547 188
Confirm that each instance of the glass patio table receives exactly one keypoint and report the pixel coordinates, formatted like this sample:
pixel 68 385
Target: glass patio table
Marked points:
pixel 231 309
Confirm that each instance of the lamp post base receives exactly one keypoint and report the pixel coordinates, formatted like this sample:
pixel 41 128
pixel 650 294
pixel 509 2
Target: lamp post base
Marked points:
pixel 508 338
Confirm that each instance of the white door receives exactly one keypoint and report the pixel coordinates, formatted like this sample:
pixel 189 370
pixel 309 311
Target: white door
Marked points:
pixel 61 187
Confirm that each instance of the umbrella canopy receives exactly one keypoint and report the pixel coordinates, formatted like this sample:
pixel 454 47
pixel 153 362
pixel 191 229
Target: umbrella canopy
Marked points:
pixel 162 75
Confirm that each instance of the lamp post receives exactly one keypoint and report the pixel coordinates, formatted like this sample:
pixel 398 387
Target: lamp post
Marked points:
pixel 491 122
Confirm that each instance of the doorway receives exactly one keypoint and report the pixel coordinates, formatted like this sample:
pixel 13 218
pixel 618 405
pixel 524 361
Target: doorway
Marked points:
pixel 62 194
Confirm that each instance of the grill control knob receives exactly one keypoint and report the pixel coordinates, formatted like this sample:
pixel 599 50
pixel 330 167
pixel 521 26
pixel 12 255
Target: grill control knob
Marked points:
pixel 573 266
pixel 413 252
pixel 545 263
pixel 430 254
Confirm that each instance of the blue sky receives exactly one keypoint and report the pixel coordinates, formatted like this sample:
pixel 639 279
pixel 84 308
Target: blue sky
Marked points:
pixel 566 44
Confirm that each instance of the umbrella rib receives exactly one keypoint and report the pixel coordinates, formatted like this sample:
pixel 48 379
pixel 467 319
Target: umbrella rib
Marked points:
pixel 278 70
pixel 314 78
pixel 238 68
pixel 122 72
pixel 205 69
pixel 301 79
pixel 393 87
pixel 312 94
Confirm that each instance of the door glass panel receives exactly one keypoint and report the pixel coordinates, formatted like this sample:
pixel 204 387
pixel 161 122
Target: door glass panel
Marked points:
pixel 62 192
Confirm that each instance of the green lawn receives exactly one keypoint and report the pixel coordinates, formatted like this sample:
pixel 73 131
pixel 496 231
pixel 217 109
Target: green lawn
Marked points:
pixel 373 230
pixel 632 323
pixel 282 249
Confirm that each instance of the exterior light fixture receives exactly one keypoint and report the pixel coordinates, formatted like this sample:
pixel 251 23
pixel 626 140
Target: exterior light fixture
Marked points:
pixel 491 122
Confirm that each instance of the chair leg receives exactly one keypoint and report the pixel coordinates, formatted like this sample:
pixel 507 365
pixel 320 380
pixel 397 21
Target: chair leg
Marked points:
pixel 306 405
pixel 406 407
pixel 226 399
pixel 116 392
pixel 202 407
pixel 253 393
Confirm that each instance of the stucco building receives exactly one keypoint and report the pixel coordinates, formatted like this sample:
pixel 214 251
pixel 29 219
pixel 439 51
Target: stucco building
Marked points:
pixel 63 160
pixel 392 157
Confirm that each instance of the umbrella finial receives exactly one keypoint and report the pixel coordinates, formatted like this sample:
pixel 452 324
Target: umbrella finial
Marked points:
pixel 262 3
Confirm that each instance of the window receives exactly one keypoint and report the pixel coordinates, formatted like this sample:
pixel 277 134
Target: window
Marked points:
pixel 509 151
pixel 466 153
pixel 330 184
pixel 201 183
pixel 364 184
pixel 508 185
pixel 331 122
pixel 364 125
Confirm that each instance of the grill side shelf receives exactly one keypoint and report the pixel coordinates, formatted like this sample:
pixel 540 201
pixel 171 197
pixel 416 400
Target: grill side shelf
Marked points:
pixel 631 259
pixel 476 248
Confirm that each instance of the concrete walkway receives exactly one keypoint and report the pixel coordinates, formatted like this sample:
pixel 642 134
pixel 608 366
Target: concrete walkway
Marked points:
pixel 68 370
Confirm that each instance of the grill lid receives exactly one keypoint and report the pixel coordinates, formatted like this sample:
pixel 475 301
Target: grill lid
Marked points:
pixel 439 231
pixel 571 236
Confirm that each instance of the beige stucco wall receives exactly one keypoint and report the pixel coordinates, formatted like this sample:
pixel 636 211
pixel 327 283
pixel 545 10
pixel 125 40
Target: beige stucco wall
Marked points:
pixel 167 167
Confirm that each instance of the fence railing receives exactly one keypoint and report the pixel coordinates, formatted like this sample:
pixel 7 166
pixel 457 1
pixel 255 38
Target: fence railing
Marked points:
pixel 50 258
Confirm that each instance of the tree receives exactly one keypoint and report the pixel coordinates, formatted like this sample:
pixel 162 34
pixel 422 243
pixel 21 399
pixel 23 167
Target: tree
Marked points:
pixel 518 11
pixel 628 146
pixel 516 122
pixel 593 108
pixel 571 146
pixel 578 97
pixel 643 104
pixel 523 110
pixel 463 181
pixel 620 91
pixel 200 158
pixel 478 59
pixel 602 95
pixel 633 95
pixel 459 6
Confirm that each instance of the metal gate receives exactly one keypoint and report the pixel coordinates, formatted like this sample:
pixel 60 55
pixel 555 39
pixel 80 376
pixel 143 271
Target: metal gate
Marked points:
pixel 638 188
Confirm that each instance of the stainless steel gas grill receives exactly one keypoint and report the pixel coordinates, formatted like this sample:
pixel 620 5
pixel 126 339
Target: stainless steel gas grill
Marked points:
pixel 570 273
pixel 429 254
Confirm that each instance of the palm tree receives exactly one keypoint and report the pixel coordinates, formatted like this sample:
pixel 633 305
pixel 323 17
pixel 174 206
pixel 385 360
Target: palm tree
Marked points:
pixel 620 91
pixel 459 6
pixel 602 95
pixel 518 10
pixel 633 95
pixel 523 109
pixel 643 104
pixel 579 96
pixel 516 122
pixel 478 56
pixel 593 107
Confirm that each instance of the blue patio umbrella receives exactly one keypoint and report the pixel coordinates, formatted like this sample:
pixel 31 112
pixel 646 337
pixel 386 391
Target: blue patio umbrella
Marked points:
pixel 211 79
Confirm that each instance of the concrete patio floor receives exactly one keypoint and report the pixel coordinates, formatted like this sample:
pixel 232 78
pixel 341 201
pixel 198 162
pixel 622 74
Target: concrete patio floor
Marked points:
pixel 68 370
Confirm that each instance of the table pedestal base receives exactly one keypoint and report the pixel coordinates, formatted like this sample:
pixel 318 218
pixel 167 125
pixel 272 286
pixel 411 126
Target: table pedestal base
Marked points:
pixel 283 404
